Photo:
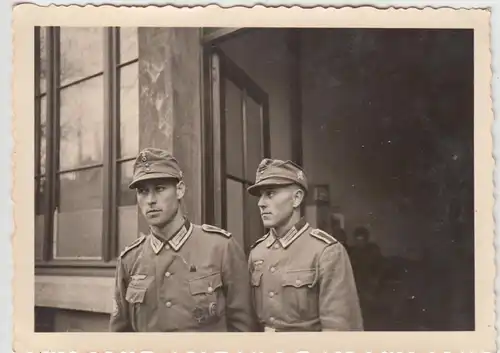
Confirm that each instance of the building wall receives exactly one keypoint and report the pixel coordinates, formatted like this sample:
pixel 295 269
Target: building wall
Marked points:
pixel 80 321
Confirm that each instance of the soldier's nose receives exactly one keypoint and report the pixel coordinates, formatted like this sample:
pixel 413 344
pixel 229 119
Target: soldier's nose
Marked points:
pixel 151 199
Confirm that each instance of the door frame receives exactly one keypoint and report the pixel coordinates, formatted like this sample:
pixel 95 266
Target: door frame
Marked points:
pixel 217 64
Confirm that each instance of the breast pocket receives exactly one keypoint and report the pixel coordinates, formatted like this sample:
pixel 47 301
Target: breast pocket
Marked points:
pixel 300 294
pixel 136 298
pixel 208 298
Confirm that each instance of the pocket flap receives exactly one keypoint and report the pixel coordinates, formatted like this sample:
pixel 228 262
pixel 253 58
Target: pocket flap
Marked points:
pixel 300 278
pixel 140 281
pixel 255 278
pixel 206 284
pixel 135 295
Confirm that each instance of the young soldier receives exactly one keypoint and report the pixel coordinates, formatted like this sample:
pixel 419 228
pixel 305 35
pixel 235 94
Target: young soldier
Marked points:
pixel 180 276
pixel 301 277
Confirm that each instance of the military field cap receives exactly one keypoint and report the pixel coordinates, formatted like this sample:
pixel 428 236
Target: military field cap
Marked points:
pixel 273 172
pixel 154 163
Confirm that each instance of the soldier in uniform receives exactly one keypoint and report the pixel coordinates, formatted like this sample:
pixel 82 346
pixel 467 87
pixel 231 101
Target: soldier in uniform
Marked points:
pixel 180 276
pixel 301 277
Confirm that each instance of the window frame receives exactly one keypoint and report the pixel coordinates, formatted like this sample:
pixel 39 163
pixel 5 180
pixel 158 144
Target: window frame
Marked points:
pixel 111 144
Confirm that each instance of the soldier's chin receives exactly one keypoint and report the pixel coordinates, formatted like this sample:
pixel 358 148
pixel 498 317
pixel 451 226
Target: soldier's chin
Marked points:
pixel 267 222
pixel 156 221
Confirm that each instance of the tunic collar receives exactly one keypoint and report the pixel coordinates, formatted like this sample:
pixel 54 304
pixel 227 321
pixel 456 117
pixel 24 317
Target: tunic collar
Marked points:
pixel 290 236
pixel 176 241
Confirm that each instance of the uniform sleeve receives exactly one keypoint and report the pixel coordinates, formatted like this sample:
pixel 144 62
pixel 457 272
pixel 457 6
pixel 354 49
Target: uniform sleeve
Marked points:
pixel 236 279
pixel 119 321
pixel 338 299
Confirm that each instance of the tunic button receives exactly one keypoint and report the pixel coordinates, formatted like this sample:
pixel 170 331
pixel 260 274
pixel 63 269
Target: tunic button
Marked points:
pixel 298 281
pixel 168 304
pixel 273 269
pixel 276 246
pixel 271 319
pixel 168 274
pixel 271 294
pixel 210 289
pixel 167 247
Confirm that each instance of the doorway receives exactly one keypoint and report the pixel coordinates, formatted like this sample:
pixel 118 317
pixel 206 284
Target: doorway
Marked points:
pixel 238 135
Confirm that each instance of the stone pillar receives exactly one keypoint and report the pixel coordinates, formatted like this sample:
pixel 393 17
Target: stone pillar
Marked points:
pixel 170 103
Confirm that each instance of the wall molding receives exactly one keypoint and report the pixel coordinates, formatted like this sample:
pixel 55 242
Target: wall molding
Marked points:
pixel 93 294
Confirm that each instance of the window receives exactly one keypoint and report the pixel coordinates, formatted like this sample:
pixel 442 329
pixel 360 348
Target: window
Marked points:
pixel 85 143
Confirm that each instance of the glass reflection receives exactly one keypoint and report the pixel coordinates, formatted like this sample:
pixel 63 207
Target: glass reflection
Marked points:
pixel 39 232
pixel 40 195
pixel 129 49
pixel 81 52
pixel 43 134
pixel 126 196
pixel 43 62
pixel 79 234
pixel 234 130
pixel 81 126
pixel 80 190
pixel 129 110
pixel 253 138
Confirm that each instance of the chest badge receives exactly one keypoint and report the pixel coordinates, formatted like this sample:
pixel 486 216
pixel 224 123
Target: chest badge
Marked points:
pixel 212 309
pixel 199 315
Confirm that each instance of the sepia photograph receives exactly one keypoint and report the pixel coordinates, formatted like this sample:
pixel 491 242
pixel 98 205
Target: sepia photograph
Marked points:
pixel 257 179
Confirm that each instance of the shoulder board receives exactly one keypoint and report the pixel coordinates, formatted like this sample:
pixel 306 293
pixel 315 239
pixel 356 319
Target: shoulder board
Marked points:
pixel 323 236
pixel 214 229
pixel 260 240
pixel 135 244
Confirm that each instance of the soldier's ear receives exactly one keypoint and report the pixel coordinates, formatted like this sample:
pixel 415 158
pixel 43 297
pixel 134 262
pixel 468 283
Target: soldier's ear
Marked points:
pixel 298 197
pixel 180 189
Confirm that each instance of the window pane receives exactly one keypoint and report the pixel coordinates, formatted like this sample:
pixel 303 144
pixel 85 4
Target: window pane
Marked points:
pixel 234 130
pixel 43 61
pixel 82 120
pixel 40 195
pixel 80 190
pixel 128 225
pixel 79 234
pixel 42 130
pixel 128 44
pixel 39 231
pixel 79 218
pixel 126 196
pixel 129 110
pixel 254 137
pixel 254 222
pixel 82 52
pixel 234 209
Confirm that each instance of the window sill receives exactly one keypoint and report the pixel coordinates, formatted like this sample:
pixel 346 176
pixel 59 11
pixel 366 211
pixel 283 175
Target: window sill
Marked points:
pixel 88 264
pixel 75 293
pixel 76 268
